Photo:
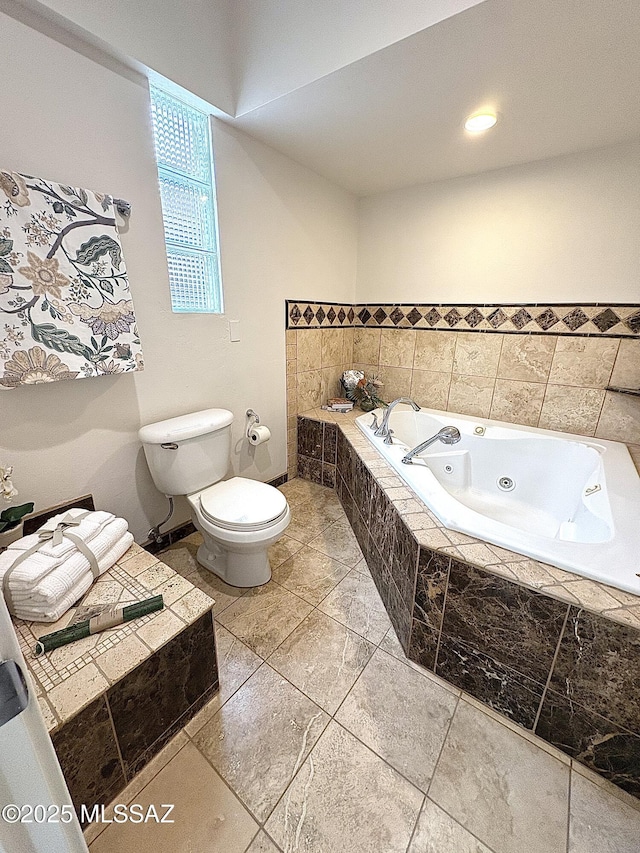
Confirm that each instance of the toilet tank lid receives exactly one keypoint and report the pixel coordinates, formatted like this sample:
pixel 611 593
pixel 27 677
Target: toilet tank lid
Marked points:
pixel 185 426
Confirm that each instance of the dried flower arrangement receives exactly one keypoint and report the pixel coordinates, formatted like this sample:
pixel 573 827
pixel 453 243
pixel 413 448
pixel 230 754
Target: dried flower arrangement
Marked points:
pixel 363 390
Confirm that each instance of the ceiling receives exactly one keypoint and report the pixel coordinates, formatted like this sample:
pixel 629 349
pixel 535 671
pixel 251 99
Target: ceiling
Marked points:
pixel 563 74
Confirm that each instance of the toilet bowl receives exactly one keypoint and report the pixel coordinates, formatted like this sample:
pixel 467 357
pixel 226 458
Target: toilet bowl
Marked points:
pixel 238 518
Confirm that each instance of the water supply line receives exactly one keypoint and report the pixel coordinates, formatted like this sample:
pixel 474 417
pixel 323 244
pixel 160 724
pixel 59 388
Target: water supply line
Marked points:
pixel 154 534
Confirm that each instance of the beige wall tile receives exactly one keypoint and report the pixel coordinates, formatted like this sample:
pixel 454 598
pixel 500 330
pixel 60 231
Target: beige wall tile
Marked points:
pixel 366 346
pixel 626 370
pixel 570 409
pixel 332 344
pixel 309 390
pixel 517 402
pixel 292 351
pixel 430 388
pixel 331 383
pixel 290 337
pixel 586 362
pixel 397 347
pixel 292 366
pixel 620 418
pixel 369 369
pixel 526 357
pixel 434 350
pixel 477 354
pixel 309 349
pixel 471 395
pixel 397 382
pixel 347 347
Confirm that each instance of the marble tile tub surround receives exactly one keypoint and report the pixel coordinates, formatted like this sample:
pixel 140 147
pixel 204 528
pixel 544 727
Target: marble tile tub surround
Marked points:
pixel 550 381
pixel 429 531
pixel 525 367
pixel 499 625
pixel 315 362
pixel 395 759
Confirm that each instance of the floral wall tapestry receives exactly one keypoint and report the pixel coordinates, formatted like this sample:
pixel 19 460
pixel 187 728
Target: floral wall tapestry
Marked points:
pixel 65 305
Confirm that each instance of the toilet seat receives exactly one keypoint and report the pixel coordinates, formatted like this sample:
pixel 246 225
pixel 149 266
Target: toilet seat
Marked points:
pixel 242 505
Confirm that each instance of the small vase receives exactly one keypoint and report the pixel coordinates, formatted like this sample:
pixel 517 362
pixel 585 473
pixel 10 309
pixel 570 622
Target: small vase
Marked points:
pixel 367 405
pixel 9 536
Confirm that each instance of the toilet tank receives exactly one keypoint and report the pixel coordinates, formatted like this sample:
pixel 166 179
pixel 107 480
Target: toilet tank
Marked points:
pixel 190 452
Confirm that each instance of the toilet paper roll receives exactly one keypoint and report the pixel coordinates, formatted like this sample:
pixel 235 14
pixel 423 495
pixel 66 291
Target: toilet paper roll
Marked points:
pixel 259 434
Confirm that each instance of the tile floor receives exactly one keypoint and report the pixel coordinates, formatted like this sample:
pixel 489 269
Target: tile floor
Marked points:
pixel 325 739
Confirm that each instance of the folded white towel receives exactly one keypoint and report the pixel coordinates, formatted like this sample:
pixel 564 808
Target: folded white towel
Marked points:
pixel 30 611
pixel 63 578
pixel 49 556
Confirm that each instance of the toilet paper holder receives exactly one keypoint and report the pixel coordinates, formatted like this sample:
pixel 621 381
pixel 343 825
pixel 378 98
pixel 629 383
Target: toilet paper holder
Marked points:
pixel 254 418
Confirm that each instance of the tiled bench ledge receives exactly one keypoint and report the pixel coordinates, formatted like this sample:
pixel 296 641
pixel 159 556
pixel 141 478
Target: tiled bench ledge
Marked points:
pixel 556 653
pixel 112 700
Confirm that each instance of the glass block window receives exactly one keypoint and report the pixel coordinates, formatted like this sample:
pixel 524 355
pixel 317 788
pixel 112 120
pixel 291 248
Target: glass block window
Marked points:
pixel 182 137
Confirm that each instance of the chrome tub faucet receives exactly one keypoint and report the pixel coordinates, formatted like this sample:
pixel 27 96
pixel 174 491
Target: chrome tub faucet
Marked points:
pixel 447 435
pixel 383 430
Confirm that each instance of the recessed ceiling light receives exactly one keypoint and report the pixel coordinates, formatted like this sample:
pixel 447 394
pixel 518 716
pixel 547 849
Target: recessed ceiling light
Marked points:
pixel 480 121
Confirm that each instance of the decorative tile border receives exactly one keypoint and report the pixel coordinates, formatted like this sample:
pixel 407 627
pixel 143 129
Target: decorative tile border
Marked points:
pixel 319 315
pixel 614 321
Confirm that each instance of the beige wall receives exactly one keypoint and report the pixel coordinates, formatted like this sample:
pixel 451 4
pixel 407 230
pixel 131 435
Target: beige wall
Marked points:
pixel 550 381
pixel 560 230
pixel 283 230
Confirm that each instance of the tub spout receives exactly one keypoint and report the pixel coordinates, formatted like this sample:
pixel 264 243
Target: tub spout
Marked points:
pixel 447 435
pixel 383 429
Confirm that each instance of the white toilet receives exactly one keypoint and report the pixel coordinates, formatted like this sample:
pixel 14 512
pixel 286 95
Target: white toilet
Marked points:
pixel 238 518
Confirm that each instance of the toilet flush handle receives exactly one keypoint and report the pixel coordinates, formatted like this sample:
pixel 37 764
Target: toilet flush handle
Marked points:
pixel 169 445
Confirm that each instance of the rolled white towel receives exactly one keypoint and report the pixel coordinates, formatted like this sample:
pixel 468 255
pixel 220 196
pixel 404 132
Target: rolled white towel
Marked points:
pixel 63 578
pixel 41 612
pixel 49 556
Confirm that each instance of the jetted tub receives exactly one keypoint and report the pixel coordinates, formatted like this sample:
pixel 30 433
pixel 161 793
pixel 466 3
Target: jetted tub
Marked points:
pixel 567 500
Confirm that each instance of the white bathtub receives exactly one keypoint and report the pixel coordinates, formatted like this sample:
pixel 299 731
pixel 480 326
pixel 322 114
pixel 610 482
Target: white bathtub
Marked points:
pixel 573 502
